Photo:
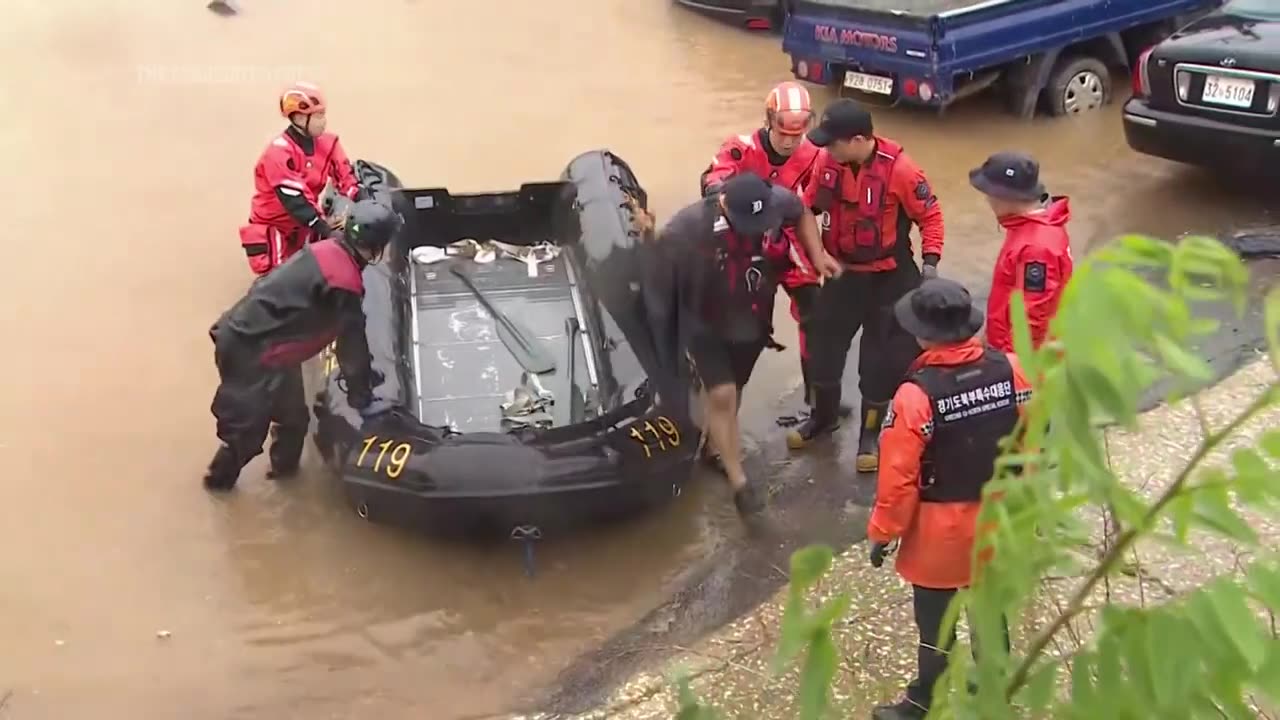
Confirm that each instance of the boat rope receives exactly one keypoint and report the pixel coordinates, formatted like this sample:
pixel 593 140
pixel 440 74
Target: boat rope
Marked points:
pixel 528 535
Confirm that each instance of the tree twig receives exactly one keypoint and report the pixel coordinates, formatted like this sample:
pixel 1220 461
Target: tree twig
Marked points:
pixel 1142 592
pixel 1127 538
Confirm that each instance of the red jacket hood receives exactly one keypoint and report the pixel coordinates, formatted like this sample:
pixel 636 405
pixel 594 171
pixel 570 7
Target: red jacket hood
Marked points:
pixel 1056 213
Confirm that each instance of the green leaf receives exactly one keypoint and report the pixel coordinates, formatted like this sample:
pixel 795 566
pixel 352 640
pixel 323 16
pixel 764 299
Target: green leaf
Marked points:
pixel 1103 392
pixel 1271 318
pixel 815 678
pixel 1255 482
pixel 1264 578
pixel 1181 512
pixel 690 708
pixel 808 565
pixel 1270 443
pixel 1213 645
pixel 1236 620
pixel 1213 510
pixel 795 632
pixel 1084 695
pixel 1171 649
pixel 1182 362
pixel 832 610
pixel 1267 678
pixel 1039 690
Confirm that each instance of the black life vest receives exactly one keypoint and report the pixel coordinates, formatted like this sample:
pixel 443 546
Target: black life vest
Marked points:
pixel 974 407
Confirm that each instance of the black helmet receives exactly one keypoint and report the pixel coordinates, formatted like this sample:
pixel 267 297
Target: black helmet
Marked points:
pixel 371 225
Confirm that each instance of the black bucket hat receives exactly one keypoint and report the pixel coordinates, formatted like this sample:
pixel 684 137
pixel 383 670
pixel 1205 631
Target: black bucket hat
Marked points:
pixel 1009 176
pixel 939 311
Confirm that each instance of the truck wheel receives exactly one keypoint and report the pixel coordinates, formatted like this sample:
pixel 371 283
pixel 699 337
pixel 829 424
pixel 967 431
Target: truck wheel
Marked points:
pixel 1078 84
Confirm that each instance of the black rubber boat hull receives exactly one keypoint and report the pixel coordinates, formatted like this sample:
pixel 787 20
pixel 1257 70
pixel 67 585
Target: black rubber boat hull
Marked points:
pixel 628 457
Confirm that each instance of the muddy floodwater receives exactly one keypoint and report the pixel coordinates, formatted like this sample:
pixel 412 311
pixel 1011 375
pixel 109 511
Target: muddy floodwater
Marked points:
pixel 129 129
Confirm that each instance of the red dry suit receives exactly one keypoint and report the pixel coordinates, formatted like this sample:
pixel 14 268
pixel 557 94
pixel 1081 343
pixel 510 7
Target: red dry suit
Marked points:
pixel 284 213
pixel 1036 259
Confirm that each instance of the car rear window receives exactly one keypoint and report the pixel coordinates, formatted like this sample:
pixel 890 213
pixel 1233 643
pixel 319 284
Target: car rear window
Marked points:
pixel 1257 9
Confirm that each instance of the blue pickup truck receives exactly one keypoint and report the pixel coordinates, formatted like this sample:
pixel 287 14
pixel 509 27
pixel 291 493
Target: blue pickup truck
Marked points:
pixel 1058 54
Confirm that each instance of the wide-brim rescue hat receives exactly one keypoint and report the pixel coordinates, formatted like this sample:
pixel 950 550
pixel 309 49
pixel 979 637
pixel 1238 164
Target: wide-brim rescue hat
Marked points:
pixel 939 311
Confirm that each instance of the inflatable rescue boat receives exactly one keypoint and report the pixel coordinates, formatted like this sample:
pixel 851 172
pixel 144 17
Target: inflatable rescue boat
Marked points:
pixel 512 341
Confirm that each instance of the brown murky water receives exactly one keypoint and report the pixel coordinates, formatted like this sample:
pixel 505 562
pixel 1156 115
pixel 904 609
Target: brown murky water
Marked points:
pixel 130 127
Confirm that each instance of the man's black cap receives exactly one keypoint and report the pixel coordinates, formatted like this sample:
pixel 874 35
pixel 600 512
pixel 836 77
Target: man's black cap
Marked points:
pixel 939 311
pixel 1009 176
pixel 749 205
pixel 843 119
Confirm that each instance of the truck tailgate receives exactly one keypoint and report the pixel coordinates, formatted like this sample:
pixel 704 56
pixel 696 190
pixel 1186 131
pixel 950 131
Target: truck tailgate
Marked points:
pixel 862 39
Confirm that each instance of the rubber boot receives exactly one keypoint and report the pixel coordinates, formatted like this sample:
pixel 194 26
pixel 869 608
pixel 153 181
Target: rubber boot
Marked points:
pixel 285 453
pixel 824 419
pixel 223 470
pixel 869 440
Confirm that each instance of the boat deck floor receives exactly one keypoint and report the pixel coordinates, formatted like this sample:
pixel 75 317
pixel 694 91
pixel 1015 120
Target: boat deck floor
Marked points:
pixel 463 370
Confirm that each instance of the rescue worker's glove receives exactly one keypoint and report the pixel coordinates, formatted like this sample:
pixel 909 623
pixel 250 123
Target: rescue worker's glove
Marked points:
pixel 878 552
pixel 929 269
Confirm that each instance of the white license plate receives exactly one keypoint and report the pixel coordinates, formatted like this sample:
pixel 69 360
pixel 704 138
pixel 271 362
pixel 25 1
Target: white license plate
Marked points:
pixel 868 83
pixel 1221 90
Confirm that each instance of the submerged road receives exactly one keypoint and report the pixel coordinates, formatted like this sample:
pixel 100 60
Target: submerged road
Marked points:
pixel 131 127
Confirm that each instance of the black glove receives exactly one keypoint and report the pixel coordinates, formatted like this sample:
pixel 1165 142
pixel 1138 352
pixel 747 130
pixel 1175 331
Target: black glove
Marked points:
pixel 929 269
pixel 878 551
pixel 376 378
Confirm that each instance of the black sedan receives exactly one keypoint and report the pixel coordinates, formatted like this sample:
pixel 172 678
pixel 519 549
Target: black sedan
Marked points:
pixel 1209 94
pixel 752 14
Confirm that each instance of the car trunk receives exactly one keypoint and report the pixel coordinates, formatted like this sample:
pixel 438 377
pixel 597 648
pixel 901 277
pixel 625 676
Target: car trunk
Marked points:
pixel 1216 68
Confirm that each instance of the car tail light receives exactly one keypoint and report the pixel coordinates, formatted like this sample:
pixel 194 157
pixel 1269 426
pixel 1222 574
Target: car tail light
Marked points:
pixel 926 91
pixel 1141 81
pixel 810 70
pixel 759 24
pixel 910 86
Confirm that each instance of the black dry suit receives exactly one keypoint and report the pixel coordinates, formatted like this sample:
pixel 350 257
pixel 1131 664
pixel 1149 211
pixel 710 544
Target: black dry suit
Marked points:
pixel 287 317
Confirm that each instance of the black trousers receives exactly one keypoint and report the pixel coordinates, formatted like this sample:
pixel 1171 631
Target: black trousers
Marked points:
pixel 930 606
pixel 863 301
pixel 251 396
pixel 804 304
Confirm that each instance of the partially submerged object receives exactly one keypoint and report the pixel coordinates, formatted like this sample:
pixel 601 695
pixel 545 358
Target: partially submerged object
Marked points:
pixel 510 332
pixel 224 7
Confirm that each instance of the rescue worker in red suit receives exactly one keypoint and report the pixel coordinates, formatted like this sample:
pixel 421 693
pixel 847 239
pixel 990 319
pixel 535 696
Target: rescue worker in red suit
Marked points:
pixel 710 278
pixel 1036 255
pixel 779 153
pixel 285 213
pixel 286 318
pixel 867 193
pixel 939 446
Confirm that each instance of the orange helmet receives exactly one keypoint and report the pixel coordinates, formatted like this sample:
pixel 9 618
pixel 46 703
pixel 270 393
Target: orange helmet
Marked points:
pixel 302 98
pixel 788 109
